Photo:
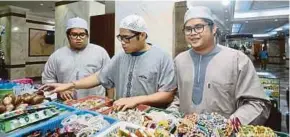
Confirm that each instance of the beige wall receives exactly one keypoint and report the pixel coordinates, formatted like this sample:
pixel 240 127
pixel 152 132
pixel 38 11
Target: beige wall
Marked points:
pixel 34 65
pixel 15 42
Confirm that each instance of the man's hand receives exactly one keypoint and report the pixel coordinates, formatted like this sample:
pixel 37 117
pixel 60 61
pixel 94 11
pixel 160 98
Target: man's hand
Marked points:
pixel 56 87
pixel 67 95
pixel 126 103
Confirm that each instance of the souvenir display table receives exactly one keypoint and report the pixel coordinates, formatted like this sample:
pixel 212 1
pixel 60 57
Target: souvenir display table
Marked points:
pixel 36 114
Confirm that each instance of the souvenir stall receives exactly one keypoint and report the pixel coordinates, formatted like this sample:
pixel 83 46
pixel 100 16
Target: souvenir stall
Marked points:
pixel 271 85
pixel 25 111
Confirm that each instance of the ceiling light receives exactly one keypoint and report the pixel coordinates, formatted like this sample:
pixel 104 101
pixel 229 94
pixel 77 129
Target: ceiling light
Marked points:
pixel 261 35
pixel 278 29
pixel 226 11
pixel 225 2
pixel 276 19
pixel 15 29
pixel 41 4
pixel 262 13
pixel 247 21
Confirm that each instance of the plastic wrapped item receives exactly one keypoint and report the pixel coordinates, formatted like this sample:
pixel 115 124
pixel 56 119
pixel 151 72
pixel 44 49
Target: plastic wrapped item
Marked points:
pixel 23 88
pixel 23 81
pixel 11 102
pixel 63 110
pixel 160 119
pixel 125 129
pixel 131 116
pixel 89 103
pixel 84 124
pixel 207 124
pixel 255 131
pixel 174 113
pixel 24 120
pixel 63 121
pixel 109 109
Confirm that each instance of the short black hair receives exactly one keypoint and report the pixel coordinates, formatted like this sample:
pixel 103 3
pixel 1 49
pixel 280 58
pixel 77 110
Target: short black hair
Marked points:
pixel 136 32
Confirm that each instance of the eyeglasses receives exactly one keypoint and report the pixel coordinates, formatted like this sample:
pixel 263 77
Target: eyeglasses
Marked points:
pixel 76 35
pixel 125 38
pixel 199 28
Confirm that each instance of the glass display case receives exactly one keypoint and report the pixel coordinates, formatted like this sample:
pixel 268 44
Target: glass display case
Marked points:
pixel 271 86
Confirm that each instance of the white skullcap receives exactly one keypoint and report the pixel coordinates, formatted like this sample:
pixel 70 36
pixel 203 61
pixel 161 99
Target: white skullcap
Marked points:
pixel 76 23
pixel 198 12
pixel 135 23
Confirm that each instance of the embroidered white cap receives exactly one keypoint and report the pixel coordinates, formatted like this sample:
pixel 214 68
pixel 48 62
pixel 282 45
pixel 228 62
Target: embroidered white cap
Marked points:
pixel 198 12
pixel 135 23
pixel 76 23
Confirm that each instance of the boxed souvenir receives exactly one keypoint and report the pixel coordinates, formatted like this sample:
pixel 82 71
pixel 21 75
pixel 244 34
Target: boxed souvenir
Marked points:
pixel 18 122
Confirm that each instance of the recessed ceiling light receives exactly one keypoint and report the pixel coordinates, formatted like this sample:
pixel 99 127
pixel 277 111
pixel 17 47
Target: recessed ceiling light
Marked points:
pixel 226 11
pixel 41 4
pixel 15 29
pixel 247 21
pixel 276 19
pixel 227 19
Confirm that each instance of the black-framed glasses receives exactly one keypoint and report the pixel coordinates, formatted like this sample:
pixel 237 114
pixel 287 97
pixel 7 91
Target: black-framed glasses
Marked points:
pixel 199 28
pixel 76 35
pixel 126 39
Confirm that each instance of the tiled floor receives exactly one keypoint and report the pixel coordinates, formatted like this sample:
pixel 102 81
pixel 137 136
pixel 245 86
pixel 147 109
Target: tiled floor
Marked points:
pixel 282 73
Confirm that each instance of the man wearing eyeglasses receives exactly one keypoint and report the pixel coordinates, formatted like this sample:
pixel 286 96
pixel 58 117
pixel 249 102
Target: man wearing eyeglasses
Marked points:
pixel 142 74
pixel 76 61
pixel 214 78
